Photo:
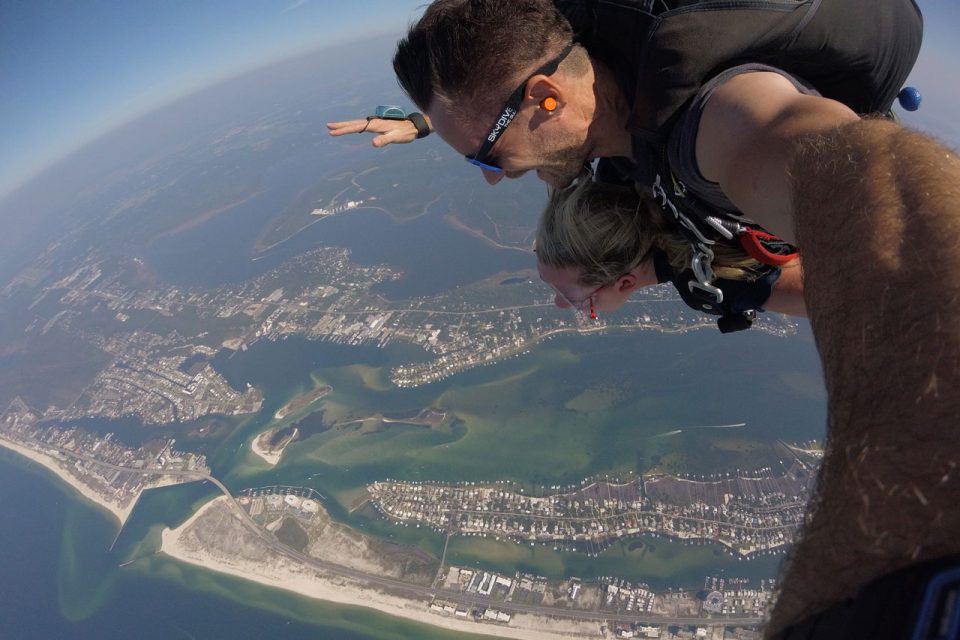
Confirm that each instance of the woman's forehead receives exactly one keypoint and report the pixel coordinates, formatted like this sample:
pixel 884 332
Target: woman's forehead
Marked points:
pixel 557 275
pixel 566 279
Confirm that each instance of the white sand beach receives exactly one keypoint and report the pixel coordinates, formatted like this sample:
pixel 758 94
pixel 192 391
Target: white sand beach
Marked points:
pixel 60 467
pixel 271 456
pixel 278 571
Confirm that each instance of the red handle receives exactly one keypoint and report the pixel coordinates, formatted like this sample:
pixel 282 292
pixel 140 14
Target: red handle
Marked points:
pixel 752 242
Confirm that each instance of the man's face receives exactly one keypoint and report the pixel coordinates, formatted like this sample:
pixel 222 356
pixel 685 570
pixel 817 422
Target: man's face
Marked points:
pixel 546 146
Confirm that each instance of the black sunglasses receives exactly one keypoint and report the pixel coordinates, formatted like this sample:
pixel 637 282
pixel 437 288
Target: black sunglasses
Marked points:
pixel 509 112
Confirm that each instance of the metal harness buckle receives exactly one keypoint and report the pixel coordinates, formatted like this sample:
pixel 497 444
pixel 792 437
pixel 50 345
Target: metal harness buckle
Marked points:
pixel 702 259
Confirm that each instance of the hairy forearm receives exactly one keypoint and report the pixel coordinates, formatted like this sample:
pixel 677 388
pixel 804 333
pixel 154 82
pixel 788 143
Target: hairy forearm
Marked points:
pixel 878 220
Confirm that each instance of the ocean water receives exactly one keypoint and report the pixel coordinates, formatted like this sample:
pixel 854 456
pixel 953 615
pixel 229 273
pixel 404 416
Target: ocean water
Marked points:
pixel 60 580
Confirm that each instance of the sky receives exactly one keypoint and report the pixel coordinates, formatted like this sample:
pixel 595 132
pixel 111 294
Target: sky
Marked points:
pixel 71 70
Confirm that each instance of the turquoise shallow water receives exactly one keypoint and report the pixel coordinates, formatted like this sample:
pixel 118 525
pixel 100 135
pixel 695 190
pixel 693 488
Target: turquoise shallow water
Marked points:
pixel 62 581
pixel 68 584
pixel 519 419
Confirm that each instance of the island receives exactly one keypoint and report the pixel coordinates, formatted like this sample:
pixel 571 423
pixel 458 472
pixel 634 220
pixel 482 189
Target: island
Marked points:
pixel 270 444
pixel 158 350
pixel 303 401
pixel 283 537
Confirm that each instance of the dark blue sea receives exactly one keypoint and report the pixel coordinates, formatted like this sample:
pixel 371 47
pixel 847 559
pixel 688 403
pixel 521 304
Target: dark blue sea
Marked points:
pixel 60 580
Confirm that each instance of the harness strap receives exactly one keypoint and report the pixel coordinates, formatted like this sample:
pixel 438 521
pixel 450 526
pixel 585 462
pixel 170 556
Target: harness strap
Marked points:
pixel 703 228
pixel 701 262
pixel 704 232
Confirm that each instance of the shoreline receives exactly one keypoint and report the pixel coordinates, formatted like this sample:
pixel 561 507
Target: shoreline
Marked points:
pixel 303 401
pixel 271 456
pixel 285 574
pixel 53 465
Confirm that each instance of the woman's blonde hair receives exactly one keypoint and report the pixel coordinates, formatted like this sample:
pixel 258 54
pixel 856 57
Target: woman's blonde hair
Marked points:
pixel 608 230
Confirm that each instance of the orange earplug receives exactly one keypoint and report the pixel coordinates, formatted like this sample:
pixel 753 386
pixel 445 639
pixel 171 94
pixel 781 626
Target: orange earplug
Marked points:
pixel 549 103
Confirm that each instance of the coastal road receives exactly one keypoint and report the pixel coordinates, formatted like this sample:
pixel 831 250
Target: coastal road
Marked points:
pixel 407 588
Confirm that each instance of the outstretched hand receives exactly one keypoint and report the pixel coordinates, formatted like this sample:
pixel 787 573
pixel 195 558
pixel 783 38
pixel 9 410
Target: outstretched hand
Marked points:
pixel 389 131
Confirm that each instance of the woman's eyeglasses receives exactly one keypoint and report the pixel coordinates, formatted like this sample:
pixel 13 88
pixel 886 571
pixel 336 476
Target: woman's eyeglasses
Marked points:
pixel 582 305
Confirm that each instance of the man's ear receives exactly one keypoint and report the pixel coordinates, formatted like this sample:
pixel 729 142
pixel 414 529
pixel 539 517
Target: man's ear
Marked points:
pixel 544 95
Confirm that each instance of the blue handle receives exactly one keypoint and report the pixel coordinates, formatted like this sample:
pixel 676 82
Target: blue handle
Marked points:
pixel 910 98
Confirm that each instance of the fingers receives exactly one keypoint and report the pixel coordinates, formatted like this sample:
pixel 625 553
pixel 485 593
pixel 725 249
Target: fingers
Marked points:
pixel 373 125
pixel 396 135
pixel 348 126
pixel 390 131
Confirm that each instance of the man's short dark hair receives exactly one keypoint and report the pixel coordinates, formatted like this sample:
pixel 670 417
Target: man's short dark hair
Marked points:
pixel 471 49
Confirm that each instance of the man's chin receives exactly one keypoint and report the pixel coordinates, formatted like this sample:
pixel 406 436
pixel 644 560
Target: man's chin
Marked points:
pixel 556 180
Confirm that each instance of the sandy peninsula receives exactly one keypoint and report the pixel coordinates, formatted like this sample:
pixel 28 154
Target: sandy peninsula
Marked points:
pixel 303 401
pixel 271 455
pixel 215 538
pixel 60 466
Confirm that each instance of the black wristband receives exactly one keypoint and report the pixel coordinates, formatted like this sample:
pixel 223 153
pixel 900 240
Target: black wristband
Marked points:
pixel 423 129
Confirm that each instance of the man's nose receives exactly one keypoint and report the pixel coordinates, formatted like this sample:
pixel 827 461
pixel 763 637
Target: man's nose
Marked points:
pixel 492 177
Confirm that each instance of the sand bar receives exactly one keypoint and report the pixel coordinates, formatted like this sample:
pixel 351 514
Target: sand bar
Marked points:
pixel 271 456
